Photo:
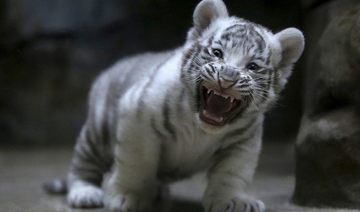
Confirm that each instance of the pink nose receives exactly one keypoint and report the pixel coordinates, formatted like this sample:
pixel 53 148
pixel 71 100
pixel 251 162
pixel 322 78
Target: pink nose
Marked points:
pixel 226 83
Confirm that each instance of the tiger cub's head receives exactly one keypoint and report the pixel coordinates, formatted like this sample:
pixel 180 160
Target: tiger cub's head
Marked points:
pixel 234 68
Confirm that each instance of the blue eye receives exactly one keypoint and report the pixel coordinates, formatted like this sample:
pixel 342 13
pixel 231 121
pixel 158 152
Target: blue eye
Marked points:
pixel 252 66
pixel 218 53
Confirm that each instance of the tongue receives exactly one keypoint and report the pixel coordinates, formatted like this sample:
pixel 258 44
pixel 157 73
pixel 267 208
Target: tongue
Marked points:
pixel 216 105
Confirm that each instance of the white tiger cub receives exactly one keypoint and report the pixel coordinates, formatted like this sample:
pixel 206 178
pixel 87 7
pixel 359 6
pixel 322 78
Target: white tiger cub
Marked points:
pixel 158 118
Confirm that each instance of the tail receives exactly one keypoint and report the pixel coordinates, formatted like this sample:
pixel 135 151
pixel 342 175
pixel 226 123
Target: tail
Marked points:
pixel 56 187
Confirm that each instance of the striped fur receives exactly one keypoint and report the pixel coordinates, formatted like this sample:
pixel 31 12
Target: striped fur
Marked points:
pixel 146 116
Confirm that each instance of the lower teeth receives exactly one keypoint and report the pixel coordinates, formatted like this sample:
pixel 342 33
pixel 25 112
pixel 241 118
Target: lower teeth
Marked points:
pixel 212 117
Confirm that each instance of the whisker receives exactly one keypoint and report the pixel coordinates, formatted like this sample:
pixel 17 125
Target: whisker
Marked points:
pixel 197 60
pixel 262 96
pixel 261 89
pixel 257 105
pixel 253 102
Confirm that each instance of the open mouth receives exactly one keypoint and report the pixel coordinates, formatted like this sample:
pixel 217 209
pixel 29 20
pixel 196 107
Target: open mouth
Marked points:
pixel 217 108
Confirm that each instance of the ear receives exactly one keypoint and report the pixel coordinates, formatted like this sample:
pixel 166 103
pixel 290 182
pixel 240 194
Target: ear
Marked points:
pixel 205 13
pixel 291 42
pixel 292 46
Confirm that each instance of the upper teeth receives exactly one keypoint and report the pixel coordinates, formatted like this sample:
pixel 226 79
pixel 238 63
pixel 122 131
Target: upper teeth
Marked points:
pixel 222 95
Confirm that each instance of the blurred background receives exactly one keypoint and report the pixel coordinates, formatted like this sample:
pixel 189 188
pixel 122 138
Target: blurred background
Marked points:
pixel 51 52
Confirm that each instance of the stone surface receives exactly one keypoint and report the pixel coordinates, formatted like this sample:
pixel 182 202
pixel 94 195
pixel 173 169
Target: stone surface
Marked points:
pixel 313 3
pixel 51 51
pixel 22 173
pixel 33 18
pixel 328 147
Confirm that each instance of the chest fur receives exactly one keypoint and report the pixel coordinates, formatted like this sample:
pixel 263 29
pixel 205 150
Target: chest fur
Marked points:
pixel 158 108
pixel 191 151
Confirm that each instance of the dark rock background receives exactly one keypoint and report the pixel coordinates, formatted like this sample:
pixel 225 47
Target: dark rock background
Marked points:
pixel 328 143
pixel 51 51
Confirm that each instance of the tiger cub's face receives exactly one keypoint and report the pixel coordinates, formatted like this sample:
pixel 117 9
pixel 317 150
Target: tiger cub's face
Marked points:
pixel 233 67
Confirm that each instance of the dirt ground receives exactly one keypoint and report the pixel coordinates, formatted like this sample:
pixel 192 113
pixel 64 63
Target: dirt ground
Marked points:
pixel 22 173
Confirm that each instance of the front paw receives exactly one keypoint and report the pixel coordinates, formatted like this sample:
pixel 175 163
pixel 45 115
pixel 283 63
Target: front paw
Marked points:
pixel 235 204
pixel 129 202
pixel 85 196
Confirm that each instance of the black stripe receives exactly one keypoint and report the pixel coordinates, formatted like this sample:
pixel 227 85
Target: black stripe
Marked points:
pixel 268 57
pixel 226 36
pixel 219 42
pixel 260 58
pixel 193 56
pixel 84 156
pixel 195 61
pixel 193 68
pixel 90 174
pixel 206 57
pixel 212 68
pixel 185 61
pixel 238 132
pixel 144 91
pixel 90 177
pixel 242 86
pixel 207 69
pixel 246 80
pixel 234 44
pixel 157 131
pixel 197 96
pixel 105 134
pixel 166 114
pixel 240 26
pixel 260 41
pixel 252 134
pixel 81 168
pixel 211 40
pixel 205 51
pixel 93 148
pixel 266 87
pixel 240 114
pixel 102 146
pixel 187 56
pixel 192 62
pixel 180 101
pixel 207 78
pixel 240 33
pixel 111 115
pixel 86 149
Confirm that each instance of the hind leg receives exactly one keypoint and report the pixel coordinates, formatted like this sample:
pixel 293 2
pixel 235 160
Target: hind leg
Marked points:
pixel 86 172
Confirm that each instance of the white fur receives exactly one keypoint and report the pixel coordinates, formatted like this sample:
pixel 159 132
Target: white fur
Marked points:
pixel 145 145
pixel 192 150
pixel 85 195
pixel 292 44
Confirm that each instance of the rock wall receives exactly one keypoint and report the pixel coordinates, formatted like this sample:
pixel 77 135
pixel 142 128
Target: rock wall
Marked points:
pixel 328 144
